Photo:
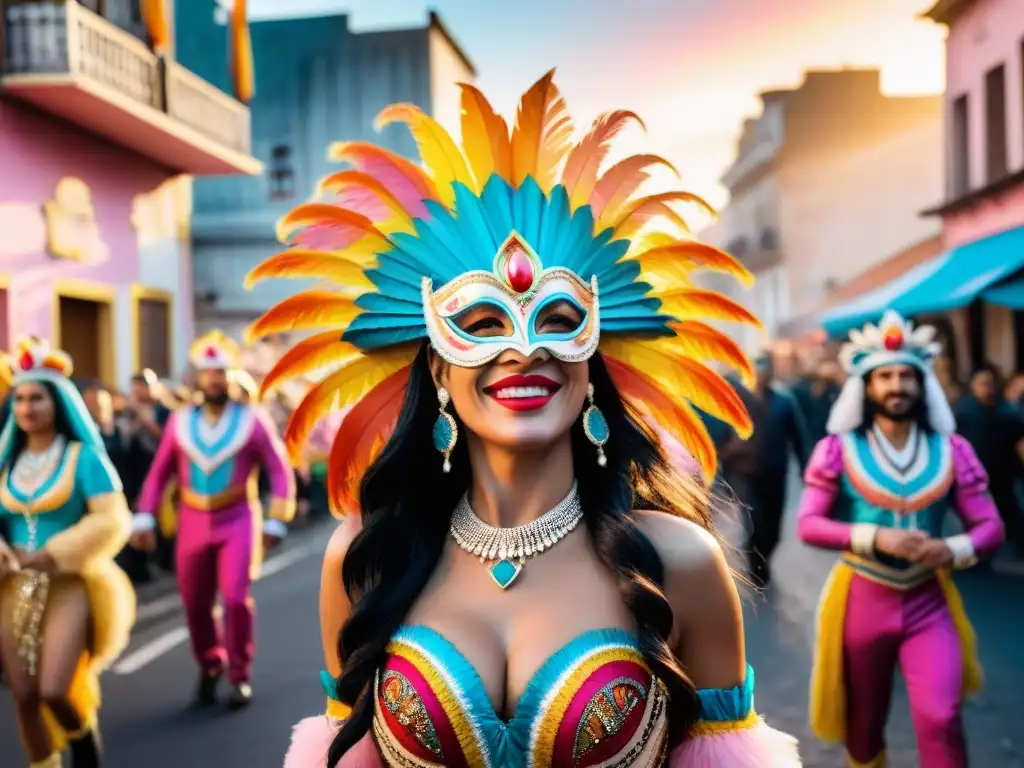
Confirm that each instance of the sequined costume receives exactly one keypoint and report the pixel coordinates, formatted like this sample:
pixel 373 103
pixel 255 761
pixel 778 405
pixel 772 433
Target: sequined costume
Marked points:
pixel 514 220
pixel 878 611
pixel 75 511
pixel 219 546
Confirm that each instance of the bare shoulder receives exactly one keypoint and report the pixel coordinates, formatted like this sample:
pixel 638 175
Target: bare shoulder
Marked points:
pixel 684 546
pixel 699 584
pixel 341 539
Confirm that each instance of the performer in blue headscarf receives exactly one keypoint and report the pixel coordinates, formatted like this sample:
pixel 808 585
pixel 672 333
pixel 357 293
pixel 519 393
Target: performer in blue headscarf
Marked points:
pixel 65 608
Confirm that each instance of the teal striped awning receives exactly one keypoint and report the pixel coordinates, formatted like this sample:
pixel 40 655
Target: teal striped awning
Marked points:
pixel 989 269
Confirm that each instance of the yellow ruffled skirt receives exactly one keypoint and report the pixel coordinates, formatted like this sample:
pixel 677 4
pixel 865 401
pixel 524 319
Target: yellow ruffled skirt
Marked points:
pixel 112 612
pixel 828 689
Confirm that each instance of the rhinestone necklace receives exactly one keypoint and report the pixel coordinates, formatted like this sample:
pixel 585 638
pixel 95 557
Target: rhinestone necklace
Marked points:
pixel 512 547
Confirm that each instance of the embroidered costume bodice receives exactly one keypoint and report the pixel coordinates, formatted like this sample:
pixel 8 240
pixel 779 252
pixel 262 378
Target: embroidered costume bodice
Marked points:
pixel 593 703
pixel 907 488
pixel 56 495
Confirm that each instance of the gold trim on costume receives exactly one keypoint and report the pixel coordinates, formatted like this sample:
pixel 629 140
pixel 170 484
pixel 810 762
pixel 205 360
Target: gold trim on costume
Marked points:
pixel 881 760
pixel 901 579
pixel 54 498
pixel 713 728
pixel 211 502
pixel 281 509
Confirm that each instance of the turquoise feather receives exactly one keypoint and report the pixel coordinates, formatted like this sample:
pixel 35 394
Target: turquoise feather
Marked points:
pixel 447 244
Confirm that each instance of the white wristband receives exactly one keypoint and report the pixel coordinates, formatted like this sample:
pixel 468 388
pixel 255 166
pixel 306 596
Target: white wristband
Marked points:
pixel 963 551
pixel 274 527
pixel 862 539
pixel 143 521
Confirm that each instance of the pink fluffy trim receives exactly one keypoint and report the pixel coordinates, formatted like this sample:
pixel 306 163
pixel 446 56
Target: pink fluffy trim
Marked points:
pixel 757 747
pixel 311 739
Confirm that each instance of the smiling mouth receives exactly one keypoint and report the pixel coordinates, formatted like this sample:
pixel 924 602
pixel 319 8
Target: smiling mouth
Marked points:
pixel 523 393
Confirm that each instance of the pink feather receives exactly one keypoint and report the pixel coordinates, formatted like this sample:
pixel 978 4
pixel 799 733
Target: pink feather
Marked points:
pixel 311 739
pixel 756 747
pixel 405 181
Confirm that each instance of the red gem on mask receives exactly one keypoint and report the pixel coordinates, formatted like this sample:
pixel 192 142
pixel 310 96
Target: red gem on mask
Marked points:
pixel 25 361
pixel 893 339
pixel 211 352
pixel 519 269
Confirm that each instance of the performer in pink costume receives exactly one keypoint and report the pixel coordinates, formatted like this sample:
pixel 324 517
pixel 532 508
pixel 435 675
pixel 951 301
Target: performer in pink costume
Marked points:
pixel 878 489
pixel 216 449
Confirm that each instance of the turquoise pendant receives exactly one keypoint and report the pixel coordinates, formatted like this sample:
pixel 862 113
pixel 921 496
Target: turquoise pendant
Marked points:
pixel 504 572
pixel 595 426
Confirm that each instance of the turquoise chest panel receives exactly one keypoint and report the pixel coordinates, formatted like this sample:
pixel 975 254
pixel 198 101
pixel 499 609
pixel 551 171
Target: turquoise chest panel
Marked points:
pixel 216 447
pixel 217 481
pixel 873 491
pixel 57 505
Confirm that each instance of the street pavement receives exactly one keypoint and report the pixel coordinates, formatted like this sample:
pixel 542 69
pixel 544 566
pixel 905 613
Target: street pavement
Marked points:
pixel 145 723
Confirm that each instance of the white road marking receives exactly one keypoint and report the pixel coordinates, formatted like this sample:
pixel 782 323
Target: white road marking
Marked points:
pixel 166 642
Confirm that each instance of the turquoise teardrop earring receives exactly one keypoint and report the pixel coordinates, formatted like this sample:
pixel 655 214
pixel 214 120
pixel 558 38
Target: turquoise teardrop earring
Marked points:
pixel 595 427
pixel 446 431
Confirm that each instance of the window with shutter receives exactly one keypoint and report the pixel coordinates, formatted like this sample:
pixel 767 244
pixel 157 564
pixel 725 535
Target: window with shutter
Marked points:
pixel 154 335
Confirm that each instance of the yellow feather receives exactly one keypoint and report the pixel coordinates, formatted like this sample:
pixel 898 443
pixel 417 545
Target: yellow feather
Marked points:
pixel 689 303
pixel 485 138
pixel 645 241
pixel 684 378
pixel 305 311
pixel 437 149
pixel 542 134
pixel 342 388
pixel 703 342
pixel 302 264
pixel 682 257
pixel 308 356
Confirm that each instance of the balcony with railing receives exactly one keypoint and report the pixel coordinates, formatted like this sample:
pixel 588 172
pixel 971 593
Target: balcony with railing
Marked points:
pixel 68 60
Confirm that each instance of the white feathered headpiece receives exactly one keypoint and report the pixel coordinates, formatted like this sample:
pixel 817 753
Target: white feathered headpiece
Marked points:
pixel 894 341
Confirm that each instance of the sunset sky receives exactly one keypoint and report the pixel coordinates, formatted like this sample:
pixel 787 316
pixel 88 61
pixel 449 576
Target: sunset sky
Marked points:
pixel 690 68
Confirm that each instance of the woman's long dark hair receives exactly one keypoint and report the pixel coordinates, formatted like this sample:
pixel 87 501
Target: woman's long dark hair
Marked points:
pixel 407 503
pixel 61 424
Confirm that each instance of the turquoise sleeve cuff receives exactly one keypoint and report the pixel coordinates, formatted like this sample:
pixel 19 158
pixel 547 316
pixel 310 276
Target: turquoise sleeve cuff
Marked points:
pixel 329 684
pixel 718 705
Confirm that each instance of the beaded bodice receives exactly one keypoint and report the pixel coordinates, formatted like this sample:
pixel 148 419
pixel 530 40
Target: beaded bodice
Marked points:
pixel 593 703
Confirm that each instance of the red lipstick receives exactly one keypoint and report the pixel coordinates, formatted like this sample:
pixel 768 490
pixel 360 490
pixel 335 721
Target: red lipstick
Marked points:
pixel 523 392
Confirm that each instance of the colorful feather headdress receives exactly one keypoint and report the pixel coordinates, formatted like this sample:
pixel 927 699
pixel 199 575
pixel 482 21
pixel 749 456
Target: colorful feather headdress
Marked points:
pixel 33 356
pixel 515 219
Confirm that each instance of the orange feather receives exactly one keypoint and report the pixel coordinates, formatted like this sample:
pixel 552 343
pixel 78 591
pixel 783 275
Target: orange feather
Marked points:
pixel 303 312
pixel 405 179
pixel 619 183
pixel 438 150
pixel 300 263
pixel 485 138
pixel 674 416
pixel 703 342
pixel 689 303
pixel 362 431
pixel 638 213
pixel 344 387
pixel 542 134
pixel 315 353
pixel 585 159
pixel 326 227
pixel 684 378
pixel 682 257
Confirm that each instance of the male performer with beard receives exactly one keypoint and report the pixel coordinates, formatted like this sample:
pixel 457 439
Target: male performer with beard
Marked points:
pixel 217 449
pixel 878 489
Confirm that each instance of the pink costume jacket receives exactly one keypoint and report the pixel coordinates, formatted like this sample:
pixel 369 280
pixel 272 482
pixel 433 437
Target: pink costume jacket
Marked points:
pixel 838 476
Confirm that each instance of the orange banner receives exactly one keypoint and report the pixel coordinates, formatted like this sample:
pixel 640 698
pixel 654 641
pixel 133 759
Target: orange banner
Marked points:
pixel 155 17
pixel 241 53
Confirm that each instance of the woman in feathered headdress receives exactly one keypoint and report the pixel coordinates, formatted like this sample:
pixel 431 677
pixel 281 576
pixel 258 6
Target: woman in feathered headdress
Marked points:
pixel 65 608
pixel 504 316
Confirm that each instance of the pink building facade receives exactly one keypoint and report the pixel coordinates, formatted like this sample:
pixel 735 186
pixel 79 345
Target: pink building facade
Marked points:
pixel 100 135
pixel 984 155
